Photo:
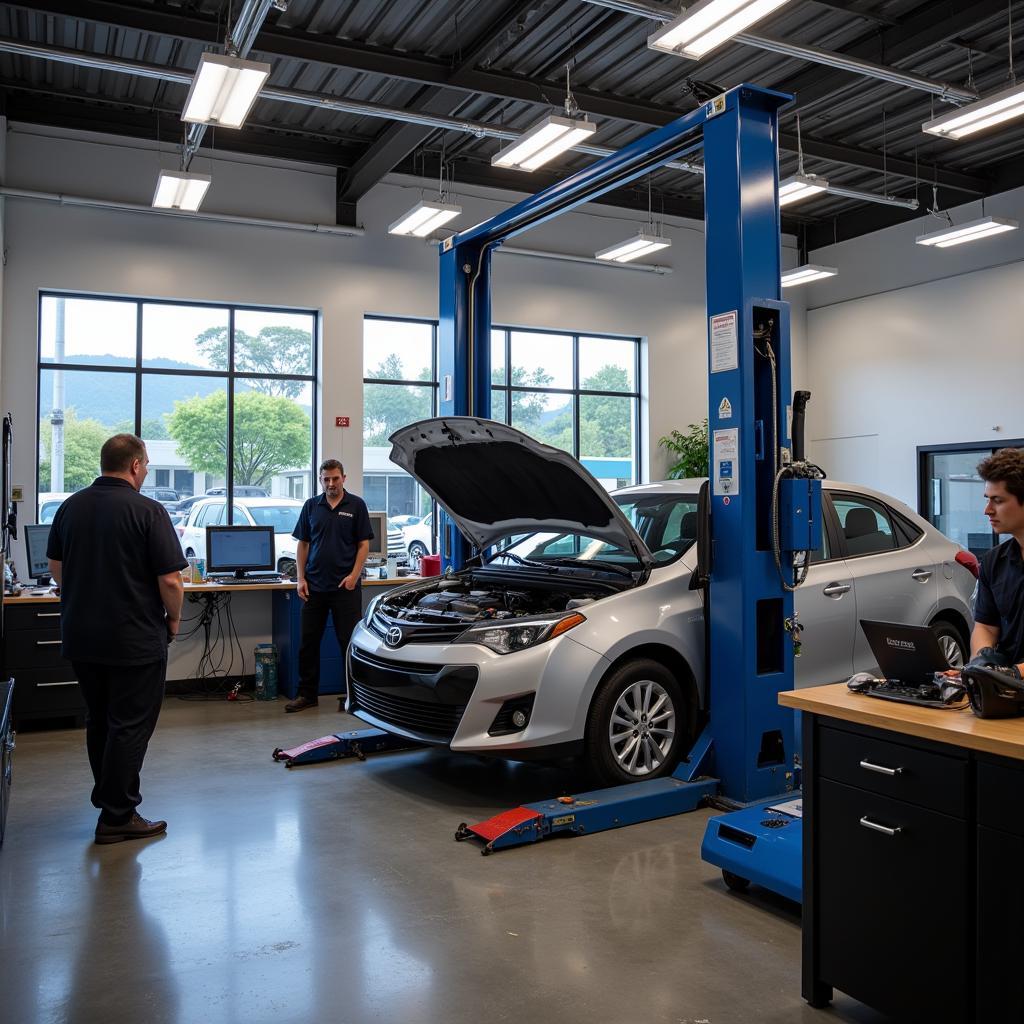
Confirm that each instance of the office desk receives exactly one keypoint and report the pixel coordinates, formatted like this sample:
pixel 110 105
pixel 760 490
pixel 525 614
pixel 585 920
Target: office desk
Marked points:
pixel 913 833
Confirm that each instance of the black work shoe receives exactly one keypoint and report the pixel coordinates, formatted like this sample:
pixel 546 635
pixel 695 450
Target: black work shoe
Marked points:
pixel 300 704
pixel 136 827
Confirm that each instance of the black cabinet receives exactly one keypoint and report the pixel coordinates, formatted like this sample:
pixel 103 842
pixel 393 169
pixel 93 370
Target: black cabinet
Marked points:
pixel 6 752
pixel 46 684
pixel 888 867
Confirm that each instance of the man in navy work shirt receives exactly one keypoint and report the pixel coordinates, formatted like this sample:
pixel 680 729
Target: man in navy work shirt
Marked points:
pixel 118 563
pixel 334 536
pixel 999 608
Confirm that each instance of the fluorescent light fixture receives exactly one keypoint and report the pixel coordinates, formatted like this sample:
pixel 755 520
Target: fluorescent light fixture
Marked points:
pixel 975 117
pixel 957 234
pixel 224 90
pixel 633 248
pixel 176 190
pixel 543 142
pixel 423 218
pixel 709 24
pixel 800 186
pixel 808 272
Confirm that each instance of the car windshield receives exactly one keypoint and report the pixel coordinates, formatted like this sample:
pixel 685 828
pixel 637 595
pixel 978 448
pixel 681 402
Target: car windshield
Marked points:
pixel 667 523
pixel 281 517
pixel 565 548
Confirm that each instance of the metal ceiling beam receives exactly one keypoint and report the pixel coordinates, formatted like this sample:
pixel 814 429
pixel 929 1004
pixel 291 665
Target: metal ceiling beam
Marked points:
pixel 398 140
pixel 937 23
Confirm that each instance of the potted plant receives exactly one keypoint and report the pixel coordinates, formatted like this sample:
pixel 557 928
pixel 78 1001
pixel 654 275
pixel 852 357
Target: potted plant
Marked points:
pixel 690 450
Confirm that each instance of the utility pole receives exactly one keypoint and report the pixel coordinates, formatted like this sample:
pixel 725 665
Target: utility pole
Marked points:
pixel 57 412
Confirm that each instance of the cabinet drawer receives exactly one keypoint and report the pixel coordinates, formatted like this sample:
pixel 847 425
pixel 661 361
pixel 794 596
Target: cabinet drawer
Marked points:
pixel 1001 797
pixel 32 616
pixel 894 769
pixel 892 910
pixel 34 648
pixel 48 690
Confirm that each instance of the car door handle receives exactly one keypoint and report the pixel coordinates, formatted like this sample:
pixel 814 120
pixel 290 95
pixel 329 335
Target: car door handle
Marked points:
pixel 922 575
pixel 836 589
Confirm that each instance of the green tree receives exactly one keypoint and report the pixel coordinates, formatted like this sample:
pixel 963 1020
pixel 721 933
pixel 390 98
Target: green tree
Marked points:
pixel 272 434
pixel 153 429
pixel 606 421
pixel 527 409
pixel 83 440
pixel 386 407
pixel 276 349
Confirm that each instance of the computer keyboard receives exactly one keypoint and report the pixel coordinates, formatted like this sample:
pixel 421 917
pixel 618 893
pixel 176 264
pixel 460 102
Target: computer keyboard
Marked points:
pixel 233 581
pixel 929 695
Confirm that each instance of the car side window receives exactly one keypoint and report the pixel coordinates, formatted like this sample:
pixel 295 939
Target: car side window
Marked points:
pixel 866 525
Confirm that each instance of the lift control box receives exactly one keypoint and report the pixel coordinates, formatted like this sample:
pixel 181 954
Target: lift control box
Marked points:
pixel 800 514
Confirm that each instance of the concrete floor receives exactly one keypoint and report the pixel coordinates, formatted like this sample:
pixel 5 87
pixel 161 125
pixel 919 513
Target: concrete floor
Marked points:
pixel 336 893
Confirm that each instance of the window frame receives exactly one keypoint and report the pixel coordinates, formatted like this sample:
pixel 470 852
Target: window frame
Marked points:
pixel 230 376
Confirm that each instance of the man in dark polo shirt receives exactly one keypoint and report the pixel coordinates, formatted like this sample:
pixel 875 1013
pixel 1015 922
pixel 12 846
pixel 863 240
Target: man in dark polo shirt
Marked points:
pixel 118 563
pixel 999 608
pixel 334 536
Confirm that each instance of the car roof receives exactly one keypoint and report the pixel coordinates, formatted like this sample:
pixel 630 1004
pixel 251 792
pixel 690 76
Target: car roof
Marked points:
pixel 250 502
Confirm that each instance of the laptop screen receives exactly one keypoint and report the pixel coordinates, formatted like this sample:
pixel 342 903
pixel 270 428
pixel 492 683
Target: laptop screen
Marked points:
pixel 910 654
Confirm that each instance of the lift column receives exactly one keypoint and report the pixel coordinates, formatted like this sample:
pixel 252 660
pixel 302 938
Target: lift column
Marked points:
pixel 751 656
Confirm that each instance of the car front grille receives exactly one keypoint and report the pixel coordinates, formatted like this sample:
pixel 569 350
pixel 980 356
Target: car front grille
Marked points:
pixel 424 700
pixel 419 633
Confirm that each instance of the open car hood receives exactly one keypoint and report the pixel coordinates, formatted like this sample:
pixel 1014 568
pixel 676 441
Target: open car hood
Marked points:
pixel 495 481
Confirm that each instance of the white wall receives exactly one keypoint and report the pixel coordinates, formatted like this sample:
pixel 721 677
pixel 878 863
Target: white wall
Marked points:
pixel 123 253
pixel 911 346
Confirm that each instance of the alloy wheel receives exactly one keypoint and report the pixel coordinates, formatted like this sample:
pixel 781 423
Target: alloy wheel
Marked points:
pixel 642 727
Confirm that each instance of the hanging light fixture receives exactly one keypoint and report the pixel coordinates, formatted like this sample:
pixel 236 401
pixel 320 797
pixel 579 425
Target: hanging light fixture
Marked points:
pixel 424 217
pixel 180 190
pixel 805 274
pixel 641 244
pixel 708 24
pixel 800 185
pixel 224 89
pixel 957 234
pixel 550 136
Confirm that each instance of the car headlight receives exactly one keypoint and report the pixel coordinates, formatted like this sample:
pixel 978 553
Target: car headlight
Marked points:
pixel 506 637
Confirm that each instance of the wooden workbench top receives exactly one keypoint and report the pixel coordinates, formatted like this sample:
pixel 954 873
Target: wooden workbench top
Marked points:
pixel 1004 736
pixel 27 597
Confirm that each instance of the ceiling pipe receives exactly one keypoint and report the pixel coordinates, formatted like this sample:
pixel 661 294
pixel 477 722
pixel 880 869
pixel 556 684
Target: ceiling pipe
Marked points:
pixel 359 108
pixel 64 199
pixel 239 43
pixel 814 54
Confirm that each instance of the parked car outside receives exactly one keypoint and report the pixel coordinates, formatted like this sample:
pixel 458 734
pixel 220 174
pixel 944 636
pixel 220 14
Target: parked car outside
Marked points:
pixel 402 521
pixel 554 645
pixel 281 513
pixel 241 491
pixel 419 540
pixel 48 503
pixel 167 497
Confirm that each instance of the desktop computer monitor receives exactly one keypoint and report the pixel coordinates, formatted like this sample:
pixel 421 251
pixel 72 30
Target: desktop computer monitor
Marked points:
pixel 36 537
pixel 379 543
pixel 239 549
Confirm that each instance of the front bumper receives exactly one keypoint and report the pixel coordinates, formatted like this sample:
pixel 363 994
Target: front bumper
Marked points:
pixel 450 694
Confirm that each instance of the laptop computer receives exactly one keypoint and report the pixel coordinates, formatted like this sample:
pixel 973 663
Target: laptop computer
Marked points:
pixel 906 654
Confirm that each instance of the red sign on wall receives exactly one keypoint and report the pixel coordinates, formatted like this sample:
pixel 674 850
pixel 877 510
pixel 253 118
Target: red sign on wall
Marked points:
pixel 341 421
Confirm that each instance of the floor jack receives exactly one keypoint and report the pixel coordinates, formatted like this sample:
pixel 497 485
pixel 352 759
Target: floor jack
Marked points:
pixel 337 746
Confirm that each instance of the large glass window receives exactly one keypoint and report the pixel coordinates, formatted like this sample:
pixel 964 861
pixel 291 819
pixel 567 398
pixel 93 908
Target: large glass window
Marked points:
pixel 222 395
pixel 575 392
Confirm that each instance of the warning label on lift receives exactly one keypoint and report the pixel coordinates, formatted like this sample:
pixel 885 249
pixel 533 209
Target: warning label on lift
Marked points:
pixel 726 470
pixel 723 332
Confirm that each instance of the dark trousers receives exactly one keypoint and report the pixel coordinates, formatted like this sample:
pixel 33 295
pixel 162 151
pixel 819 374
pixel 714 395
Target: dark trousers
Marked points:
pixel 345 608
pixel 122 705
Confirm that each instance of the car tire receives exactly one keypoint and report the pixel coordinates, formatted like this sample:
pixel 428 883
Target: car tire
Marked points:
pixel 189 553
pixel 287 567
pixel 416 551
pixel 621 745
pixel 951 640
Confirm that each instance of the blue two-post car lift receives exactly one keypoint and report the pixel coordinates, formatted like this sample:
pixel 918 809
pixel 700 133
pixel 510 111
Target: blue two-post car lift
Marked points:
pixel 745 754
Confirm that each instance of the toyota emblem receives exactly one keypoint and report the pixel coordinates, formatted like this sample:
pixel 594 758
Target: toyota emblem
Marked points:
pixel 393 637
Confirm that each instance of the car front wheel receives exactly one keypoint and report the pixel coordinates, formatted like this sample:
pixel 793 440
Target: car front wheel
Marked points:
pixel 416 552
pixel 951 642
pixel 636 724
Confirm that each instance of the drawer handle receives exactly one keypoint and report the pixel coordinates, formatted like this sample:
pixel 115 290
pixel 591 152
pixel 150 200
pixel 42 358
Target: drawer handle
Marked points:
pixel 47 615
pixel 47 643
pixel 881 769
pixel 70 682
pixel 884 829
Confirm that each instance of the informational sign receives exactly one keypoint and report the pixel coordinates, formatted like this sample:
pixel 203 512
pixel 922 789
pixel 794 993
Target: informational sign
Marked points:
pixel 724 334
pixel 725 471
pixel 725 409
pixel 341 421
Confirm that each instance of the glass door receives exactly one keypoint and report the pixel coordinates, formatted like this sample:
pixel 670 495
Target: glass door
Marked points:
pixel 952 495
